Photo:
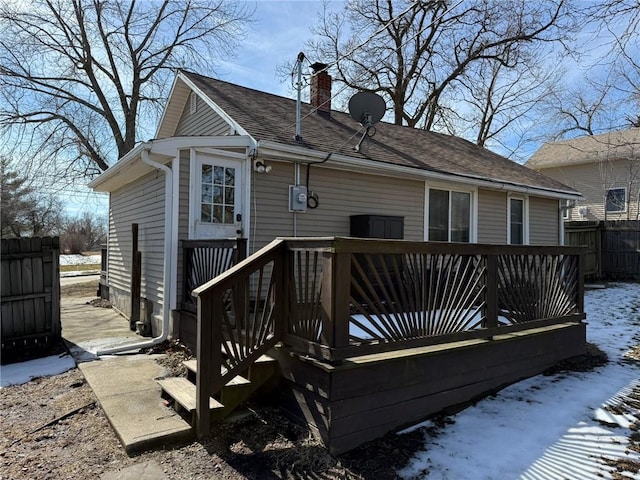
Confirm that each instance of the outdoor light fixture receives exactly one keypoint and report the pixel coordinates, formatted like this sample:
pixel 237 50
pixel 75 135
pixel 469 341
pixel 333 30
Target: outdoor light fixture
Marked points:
pixel 260 167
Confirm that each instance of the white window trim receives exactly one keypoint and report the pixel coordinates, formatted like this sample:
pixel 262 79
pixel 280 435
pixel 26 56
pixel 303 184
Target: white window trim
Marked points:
pixel 525 219
pixel 473 209
pixel 194 162
pixel 606 192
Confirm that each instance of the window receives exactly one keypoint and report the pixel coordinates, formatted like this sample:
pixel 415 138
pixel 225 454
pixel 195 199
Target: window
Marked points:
pixel 616 200
pixel 516 221
pixel 218 194
pixel 449 216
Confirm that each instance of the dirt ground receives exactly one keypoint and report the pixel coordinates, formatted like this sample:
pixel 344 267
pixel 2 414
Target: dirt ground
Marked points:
pixel 52 428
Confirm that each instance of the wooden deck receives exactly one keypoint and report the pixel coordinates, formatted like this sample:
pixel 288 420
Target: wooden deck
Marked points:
pixel 373 335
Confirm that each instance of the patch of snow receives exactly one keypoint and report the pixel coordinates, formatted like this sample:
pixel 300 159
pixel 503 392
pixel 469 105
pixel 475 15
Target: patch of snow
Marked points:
pixel 77 259
pixel 19 373
pixel 547 427
pixel 87 351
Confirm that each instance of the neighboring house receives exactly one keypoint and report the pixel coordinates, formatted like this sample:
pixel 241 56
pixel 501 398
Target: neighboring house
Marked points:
pixel 227 162
pixel 604 168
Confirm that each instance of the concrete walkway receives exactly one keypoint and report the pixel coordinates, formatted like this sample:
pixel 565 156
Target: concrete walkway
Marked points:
pixel 124 384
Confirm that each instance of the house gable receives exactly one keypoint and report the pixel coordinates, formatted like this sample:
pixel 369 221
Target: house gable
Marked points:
pixel 594 165
pixel 180 118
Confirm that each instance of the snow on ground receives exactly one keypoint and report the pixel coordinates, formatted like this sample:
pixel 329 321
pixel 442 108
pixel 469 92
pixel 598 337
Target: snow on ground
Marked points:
pixel 547 427
pixel 18 373
pixel 77 259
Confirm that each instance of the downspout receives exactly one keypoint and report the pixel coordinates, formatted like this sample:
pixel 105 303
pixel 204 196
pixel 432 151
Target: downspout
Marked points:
pixel 168 215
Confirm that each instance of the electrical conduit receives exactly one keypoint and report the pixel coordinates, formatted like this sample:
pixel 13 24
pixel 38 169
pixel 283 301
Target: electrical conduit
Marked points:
pixel 168 206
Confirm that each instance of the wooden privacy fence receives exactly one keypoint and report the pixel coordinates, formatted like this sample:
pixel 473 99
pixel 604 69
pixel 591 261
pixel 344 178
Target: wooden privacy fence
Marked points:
pixel 30 291
pixel 613 247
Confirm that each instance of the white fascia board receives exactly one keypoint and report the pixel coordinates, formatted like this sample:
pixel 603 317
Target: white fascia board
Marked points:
pixel 130 167
pixel 216 108
pixel 292 153
pixel 170 146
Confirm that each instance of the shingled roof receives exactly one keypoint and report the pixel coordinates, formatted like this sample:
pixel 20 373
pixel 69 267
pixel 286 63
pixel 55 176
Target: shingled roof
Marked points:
pixel 268 117
pixel 622 144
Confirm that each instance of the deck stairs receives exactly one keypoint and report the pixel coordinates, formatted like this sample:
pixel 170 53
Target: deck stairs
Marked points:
pixel 181 391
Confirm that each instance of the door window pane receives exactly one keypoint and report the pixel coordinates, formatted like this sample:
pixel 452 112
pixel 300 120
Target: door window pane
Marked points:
pixel 516 221
pixel 438 215
pixel 217 194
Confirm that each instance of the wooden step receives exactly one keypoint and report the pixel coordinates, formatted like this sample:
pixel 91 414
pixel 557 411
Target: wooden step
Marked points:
pixel 192 368
pixel 184 393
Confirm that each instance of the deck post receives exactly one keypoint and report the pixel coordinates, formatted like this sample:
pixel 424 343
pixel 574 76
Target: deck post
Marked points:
pixel 492 291
pixel 208 352
pixel 580 287
pixel 336 292
pixel 341 299
pixel 282 269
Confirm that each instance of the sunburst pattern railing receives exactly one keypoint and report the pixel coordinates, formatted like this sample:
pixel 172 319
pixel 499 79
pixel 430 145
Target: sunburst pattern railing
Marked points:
pixel 533 287
pixel 397 297
pixel 305 294
pixel 206 259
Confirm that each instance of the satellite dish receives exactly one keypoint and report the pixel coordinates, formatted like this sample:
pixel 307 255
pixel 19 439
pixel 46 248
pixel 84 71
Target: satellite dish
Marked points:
pixel 367 108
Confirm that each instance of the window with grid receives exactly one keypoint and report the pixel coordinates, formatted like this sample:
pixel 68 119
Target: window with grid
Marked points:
pixel 217 194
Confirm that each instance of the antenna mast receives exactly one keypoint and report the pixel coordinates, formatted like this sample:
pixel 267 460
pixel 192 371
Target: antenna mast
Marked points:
pixel 299 97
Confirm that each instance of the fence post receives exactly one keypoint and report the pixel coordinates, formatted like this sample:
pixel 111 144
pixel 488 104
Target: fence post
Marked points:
pixel 492 291
pixel 336 292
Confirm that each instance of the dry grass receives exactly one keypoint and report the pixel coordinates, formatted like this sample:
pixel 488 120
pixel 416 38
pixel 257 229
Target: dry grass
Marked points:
pixel 80 268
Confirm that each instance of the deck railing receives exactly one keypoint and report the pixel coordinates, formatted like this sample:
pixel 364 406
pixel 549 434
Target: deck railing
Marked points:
pixel 335 298
pixel 206 259
pixel 355 297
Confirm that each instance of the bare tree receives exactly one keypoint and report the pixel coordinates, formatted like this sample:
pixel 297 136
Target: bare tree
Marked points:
pixel 25 212
pixel 503 104
pixel 78 78
pixel 582 109
pixel 606 95
pixel 83 233
pixel 415 53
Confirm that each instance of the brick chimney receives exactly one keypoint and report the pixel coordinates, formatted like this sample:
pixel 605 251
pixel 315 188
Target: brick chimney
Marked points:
pixel 321 88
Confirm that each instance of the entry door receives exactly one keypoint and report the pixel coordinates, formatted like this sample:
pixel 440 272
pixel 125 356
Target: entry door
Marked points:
pixel 217 208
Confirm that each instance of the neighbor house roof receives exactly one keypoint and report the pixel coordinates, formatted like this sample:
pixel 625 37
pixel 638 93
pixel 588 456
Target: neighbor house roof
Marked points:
pixel 623 144
pixel 267 117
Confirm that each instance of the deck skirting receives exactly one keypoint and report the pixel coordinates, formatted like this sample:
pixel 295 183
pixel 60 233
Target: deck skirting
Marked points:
pixel 363 398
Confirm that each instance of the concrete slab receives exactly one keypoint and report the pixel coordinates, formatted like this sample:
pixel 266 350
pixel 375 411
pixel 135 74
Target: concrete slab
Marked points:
pixel 124 384
pixel 82 322
pixel 131 401
pixel 141 471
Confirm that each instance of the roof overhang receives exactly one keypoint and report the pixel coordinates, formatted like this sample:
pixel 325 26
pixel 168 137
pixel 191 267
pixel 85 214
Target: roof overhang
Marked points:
pixel 131 167
pixel 292 153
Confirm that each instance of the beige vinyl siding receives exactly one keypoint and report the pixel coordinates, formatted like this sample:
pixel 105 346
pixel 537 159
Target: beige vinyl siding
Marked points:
pixel 141 202
pixel 544 221
pixel 341 194
pixel 593 179
pixel 203 122
pixel 492 217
